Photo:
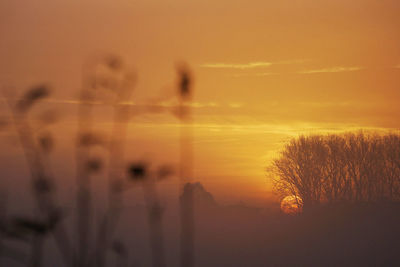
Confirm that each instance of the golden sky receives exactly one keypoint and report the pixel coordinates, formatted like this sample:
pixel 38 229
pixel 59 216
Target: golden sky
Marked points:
pixel 265 71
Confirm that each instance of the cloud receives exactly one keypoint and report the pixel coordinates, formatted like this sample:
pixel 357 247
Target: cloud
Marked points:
pixel 397 66
pixel 331 70
pixel 236 105
pixel 250 65
pixel 257 74
pixel 162 104
pixel 292 128
pixel 311 71
pixel 326 104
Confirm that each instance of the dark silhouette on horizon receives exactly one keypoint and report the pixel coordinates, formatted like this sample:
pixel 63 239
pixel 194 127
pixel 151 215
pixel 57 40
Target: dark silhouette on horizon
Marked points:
pixel 339 168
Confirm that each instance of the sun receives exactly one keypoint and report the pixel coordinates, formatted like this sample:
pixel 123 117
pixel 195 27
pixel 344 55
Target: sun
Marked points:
pixel 291 204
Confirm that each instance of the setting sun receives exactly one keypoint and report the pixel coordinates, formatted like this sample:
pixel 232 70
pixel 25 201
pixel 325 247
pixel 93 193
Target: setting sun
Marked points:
pixel 291 204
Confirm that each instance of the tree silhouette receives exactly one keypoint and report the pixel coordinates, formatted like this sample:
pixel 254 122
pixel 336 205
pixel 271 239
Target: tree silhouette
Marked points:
pixel 351 167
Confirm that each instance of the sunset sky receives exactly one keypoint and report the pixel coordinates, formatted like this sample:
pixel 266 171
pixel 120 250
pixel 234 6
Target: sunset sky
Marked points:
pixel 264 71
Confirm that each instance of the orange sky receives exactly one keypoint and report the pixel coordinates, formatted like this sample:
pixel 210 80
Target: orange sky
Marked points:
pixel 265 71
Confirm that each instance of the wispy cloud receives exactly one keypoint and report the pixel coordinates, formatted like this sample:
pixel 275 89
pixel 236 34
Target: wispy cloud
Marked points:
pixel 250 65
pixel 331 70
pixel 160 104
pixel 311 71
pixel 259 74
pixel 326 104
pixel 289 129
pixel 236 105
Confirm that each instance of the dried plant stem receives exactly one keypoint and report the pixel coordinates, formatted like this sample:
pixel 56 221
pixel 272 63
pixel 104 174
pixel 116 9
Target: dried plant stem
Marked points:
pixel 84 183
pixel 155 222
pixel 44 201
pixel 37 250
pixel 115 201
pixel 186 205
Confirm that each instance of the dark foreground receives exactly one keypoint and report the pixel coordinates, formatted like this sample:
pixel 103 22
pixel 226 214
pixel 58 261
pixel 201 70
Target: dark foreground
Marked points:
pixel 342 235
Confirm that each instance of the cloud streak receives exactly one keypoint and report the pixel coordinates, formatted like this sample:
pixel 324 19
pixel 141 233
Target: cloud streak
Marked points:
pixel 250 65
pixel 257 74
pixel 330 70
pixel 160 104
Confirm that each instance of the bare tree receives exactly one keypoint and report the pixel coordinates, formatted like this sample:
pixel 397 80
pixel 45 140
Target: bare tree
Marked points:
pixel 335 168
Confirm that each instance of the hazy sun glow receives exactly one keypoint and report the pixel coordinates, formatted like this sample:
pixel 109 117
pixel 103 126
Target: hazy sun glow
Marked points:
pixel 291 204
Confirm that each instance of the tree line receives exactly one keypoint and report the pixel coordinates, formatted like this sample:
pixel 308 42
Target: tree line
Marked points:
pixel 350 167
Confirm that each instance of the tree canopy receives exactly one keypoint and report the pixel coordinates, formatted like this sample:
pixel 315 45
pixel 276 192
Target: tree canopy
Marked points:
pixel 350 167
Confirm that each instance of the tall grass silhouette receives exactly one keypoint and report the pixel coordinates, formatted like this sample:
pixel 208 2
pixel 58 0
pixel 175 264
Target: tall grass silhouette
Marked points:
pixel 107 80
pixel 186 165
pixel 48 215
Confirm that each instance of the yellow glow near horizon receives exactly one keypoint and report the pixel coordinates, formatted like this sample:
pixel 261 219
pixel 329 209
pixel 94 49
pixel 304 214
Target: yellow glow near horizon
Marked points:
pixel 291 204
